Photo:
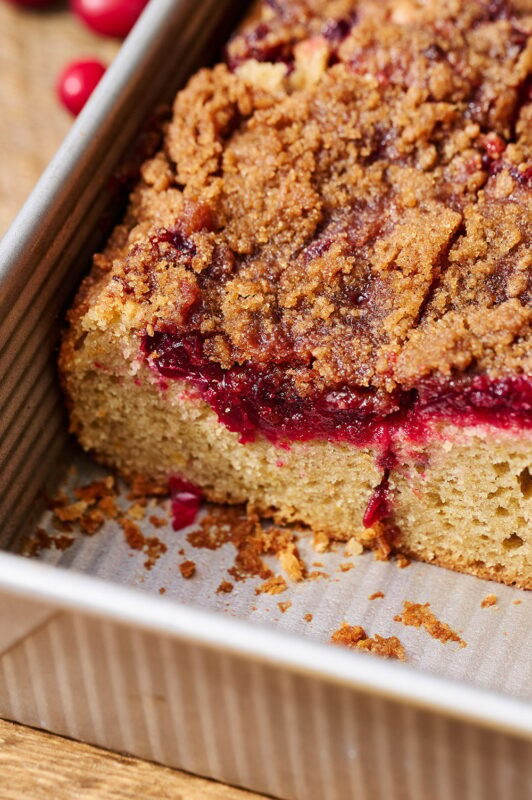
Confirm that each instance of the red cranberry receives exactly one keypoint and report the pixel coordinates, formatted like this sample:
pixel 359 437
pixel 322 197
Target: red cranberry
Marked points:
pixel 77 82
pixel 109 17
pixel 185 502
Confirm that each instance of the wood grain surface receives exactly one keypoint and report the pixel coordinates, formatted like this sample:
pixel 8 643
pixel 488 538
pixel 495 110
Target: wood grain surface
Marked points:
pixel 39 766
pixel 34 47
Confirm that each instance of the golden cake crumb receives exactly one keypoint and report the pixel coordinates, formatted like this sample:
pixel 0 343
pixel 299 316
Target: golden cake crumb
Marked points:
pixel 291 563
pixel 346 566
pixel 225 587
pixel 402 561
pixel 284 606
pixel 157 522
pixel 375 596
pixel 136 511
pixel 355 636
pixel 187 569
pixel 489 600
pixel 320 542
pixel 274 585
pixel 419 615
pixel 353 547
pixel 150 545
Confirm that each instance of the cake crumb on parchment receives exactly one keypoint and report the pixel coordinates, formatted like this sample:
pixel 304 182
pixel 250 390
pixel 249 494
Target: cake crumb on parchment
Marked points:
pixel 346 566
pixel 419 615
pixel 225 587
pixel 354 636
pixel 353 547
pixel 375 596
pixel 320 542
pixel 187 569
pixel 153 547
pixel 489 600
pixel 284 606
pixel 274 585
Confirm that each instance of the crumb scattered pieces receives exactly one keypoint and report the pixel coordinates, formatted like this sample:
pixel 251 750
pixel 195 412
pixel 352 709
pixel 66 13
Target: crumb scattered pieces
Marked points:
pixel 162 590
pixel 274 585
pixel 284 606
pixel 378 539
pixel 91 522
pixel 402 561
pixel 354 636
pixel 317 563
pixel 320 542
pixel 346 566
pixel 375 596
pixel 42 540
pixel 225 587
pixel 223 525
pixel 353 547
pixel 187 569
pixel 108 507
pixel 489 600
pixel 316 574
pixel 157 522
pixel 96 490
pixel 150 545
pixel 308 617
pixel 137 510
pixel 516 602
pixel 72 512
pixel 291 563
pixel 419 615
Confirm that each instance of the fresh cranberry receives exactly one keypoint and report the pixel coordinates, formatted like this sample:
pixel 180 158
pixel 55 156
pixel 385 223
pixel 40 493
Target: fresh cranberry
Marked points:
pixel 109 17
pixel 77 82
pixel 186 501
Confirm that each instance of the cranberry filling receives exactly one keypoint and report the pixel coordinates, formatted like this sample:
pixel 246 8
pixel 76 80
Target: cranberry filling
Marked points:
pixel 379 505
pixel 185 502
pixel 251 401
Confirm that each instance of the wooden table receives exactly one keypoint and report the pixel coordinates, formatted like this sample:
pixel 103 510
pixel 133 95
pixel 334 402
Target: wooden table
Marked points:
pixel 34 46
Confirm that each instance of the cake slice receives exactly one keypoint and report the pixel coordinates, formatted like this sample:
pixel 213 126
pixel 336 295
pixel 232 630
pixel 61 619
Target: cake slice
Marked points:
pixel 319 301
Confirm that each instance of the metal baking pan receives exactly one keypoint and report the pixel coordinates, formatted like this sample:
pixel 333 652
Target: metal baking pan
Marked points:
pixel 224 686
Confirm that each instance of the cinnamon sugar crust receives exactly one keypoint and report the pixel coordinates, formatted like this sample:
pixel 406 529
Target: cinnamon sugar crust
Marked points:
pixel 345 201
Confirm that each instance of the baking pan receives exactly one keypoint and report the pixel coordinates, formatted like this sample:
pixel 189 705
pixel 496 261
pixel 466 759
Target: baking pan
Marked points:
pixel 227 686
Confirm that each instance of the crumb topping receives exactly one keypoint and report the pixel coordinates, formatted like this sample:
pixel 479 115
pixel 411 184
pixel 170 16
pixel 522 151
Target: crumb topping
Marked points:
pixel 187 569
pixel 354 636
pixel 488 601
pixel 420 615
pixel 252 542
pixel 345 201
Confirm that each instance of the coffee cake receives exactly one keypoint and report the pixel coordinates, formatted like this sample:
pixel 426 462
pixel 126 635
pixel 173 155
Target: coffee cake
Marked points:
pixel 319 300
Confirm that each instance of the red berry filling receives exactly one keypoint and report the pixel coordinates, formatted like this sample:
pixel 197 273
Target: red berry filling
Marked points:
pixel 251 401
pixel 185 502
